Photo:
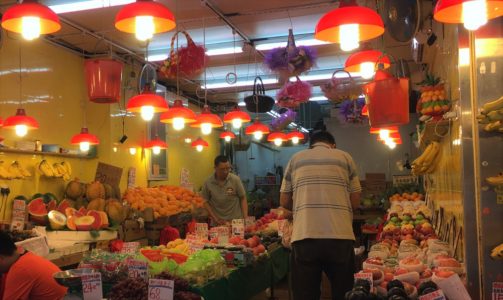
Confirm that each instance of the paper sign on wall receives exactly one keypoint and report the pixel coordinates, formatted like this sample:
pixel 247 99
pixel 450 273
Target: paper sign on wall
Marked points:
pixel 160 289
pixel 238 227
pixel 436 295
pixel 108 174
pixel 131 178
pixel 18 214
pixel 137 269
pixel 365 276
pixel 91 286
pixel 202 231
pixel 497 291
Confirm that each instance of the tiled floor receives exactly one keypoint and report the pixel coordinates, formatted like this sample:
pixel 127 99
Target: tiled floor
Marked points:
pixel 280 293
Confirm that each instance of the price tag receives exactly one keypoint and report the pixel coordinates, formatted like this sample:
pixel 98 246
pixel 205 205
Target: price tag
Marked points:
pixel 238 227
pixel 91 286
pixel 499 194
pixel 137 269
pixel 160 289
pixel 497 291
pixel 281 227
pixel 130 247
pixel 436 295
pixel 222 234
pixel 365 276
pixel 250 221
pixel 202 231
pixel 453 288
pixel 18 214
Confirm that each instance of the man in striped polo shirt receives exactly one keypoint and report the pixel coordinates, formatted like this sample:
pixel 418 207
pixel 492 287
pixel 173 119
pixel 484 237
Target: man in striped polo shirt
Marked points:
pixel 322 189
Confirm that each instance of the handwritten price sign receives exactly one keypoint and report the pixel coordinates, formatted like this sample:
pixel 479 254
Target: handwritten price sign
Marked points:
pixel 91 286
pixel 160 289
pixel 130 247
pixel 436 295
pixel 365 276
pixel 137 269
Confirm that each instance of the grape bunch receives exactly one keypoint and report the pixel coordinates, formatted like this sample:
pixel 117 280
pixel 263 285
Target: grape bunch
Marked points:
pixel 180 284
pixel 130 289
pixel 185 295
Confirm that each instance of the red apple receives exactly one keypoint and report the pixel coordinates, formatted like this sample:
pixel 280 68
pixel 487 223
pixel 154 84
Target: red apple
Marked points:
pixel 388 276
pixel 244 243
pixel 400 271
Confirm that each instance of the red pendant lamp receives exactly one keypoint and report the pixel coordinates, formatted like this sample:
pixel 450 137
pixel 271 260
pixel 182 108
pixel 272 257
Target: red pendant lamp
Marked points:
pixel 84 139
pixel 199 144
pixel 390 135
pixel 178 115
pixel 348 25
pixel 472 13
pixel 20 122
pixel 147 103
pixel 364 62
pixel 277 138
pixel 376 130
pixel 156 145
pixel 365 110
pixel 144 18
pixel 227 136
pixel 257 129
pixel 237 117
pixel 295 136
pixel 30 19
pixel 206 121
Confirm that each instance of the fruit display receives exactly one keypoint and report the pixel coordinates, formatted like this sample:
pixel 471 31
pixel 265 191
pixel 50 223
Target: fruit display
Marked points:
pixel 177 246
pixel 253 243
pixel 112 266
pixel 406 197
pixel 13 171
pixel 58 169
pixel 164 200
pixel 491 116
pixel 495 180
pixel 427 162
pixel 130 289
pixel 267 223
pixel 202 266
pixel 433 101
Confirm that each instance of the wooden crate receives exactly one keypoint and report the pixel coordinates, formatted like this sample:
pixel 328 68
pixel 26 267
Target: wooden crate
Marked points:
pixel 131 231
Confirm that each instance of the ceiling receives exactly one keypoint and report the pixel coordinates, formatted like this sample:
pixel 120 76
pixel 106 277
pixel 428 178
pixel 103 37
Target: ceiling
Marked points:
pixel 91 33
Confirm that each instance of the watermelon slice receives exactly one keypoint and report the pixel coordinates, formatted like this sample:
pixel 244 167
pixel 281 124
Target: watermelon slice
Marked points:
pixel 51 205
pixel 48 197
pixel 38 211
pixel 63 205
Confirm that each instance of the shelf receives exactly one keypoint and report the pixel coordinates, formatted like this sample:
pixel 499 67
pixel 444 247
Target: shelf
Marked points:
pixel 17 151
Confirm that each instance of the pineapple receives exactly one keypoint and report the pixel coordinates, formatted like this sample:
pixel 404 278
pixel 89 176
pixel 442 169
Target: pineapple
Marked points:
pixel 433 100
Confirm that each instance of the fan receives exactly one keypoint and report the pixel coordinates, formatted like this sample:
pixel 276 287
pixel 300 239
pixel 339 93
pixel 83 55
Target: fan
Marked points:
pixel 148 75
pixel 401 18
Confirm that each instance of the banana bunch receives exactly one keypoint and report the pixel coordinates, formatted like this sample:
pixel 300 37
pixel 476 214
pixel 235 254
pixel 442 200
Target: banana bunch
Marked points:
pixel 4 172
pixel 495 180
pixel 492 116
pixel 17 171
pixel 427 162
pixel 59 170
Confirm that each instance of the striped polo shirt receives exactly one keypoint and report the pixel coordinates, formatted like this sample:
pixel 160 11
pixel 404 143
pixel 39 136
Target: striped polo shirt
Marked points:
pixel 320 180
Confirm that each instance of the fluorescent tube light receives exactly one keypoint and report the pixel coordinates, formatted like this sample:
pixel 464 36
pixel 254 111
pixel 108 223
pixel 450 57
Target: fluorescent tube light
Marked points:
pixel 324 76
pixel 241 104
pixel 223 85
pixel 318 98
pixel 86 5
pixel 157 57
pixel 272 45
pixel 222 51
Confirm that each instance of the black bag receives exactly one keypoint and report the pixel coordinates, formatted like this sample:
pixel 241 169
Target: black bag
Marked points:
pixel 259 102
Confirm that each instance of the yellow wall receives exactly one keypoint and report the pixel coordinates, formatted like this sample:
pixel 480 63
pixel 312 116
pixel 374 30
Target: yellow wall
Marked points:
pixel 53 92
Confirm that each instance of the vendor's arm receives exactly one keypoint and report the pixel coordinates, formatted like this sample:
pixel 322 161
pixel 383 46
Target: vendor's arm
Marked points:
pixel 286 195
pixel 18 285
pixel 354 186
pixel 286 201
pixel 242 198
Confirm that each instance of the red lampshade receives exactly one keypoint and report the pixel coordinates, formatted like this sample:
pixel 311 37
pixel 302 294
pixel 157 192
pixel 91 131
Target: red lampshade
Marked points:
pixel 256 128
pixel 84 137
pixel 365 110
pixel 392 135
pixel 147 99
pixel 14 19
pixel 178 111
pixel 370 23
pixel 206 117
pixel 451 11
pixel 353 62
pixel 199 144
pixel 20 119
pixel 237 117
pixel 227 135
pixel 295 136
pixel 162 18
pixel 277 136
pixel 376 130
pixel 1 122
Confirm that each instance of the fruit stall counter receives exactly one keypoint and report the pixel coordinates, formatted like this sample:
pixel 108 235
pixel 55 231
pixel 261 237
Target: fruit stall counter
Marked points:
pixel 245 282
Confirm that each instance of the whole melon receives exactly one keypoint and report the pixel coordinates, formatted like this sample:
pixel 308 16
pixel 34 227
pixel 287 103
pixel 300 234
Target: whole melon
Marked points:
pixel 81 202
pixel 115 211
pixel 95 190
pixel 96 204
pixel 74 189
pixel 109 191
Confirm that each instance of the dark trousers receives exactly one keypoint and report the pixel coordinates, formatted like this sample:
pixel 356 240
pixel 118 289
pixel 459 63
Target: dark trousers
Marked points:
pixel 310 257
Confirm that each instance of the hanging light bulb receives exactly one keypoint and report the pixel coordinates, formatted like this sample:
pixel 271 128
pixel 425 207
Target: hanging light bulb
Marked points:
pixel 20 122
pixel 277 138
pixel 295 136
pixel 257 129
pixel 237 123
pixel 156 145
pixel 21 130
pixel 384 134
pixel 199 144
pixel 156 150
pixel 132 151
pixel 147 112
pixel 178 124
pixel 206 121
pixel 390 143
pixel 206 128
pixel 364 62
pixel 84 146
pixel 115 149
pixel 237 117
pixel 367 70
pixel 258 135
pixel 474 14
pixel 178 115
pixel 199 148
pixel 188 140
pixel 349 35
pixel 227 136
pixel 31 27
pixel 295 140
pixel 278 142
pixel 84 139
pixel 144 27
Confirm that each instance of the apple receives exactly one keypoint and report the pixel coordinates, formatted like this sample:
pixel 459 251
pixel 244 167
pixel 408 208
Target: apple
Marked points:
pixel 260 248
pixel 384 284
pixel 400 271
pixel 388 277
pixel 426 274
pixel 444 274
pixel 394 219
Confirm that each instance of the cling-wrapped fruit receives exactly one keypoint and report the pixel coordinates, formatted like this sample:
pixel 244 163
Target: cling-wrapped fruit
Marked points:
pixel 433 100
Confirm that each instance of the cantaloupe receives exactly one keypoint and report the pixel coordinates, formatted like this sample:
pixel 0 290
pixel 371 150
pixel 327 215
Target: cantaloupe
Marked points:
pixel 95 190
pixel 97 204
pixel 74 189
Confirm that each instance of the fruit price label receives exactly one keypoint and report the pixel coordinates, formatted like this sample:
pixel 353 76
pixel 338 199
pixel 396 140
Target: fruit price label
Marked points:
pixel 499 194
pixel 250 221
pixel 130 247
pixel 222 234
pixel 497 291
pixel 91 286
pixel 160 289
pixel 238 227
pixel 202 231
pixel 365 276
pixel 436 295
pixel 137 269
pixel 18 214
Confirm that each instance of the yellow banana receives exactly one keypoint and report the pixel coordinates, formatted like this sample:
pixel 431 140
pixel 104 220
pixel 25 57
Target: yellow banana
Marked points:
pixel 493 105
pixel 434 160
pixel 419 161
pixel 58 170
pixel 495 180
pixel 68 168
pixel 14 170
pixel 4 174
pixel 23 170
pixel 46 169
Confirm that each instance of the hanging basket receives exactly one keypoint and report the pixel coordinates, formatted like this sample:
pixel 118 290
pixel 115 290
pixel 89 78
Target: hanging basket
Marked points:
pixel 190 60
pixel 258 102
pixel 290 60
pixel 282 121
pixel 104 79
pixel 292 94
pixel 340 89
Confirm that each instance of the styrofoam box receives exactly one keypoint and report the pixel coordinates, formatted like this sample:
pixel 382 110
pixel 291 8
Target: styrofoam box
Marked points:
pixel 80 236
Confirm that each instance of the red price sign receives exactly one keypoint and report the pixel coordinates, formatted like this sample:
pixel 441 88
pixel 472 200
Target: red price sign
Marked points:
pixel 365 276
pixel 436 295
pixel 137 269
pixel 91 286
pixel 160 289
